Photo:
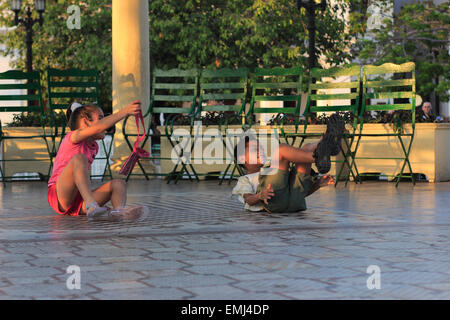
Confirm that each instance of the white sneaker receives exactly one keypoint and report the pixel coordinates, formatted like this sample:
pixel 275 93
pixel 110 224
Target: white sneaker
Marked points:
pixel 135 213
pixel 97 213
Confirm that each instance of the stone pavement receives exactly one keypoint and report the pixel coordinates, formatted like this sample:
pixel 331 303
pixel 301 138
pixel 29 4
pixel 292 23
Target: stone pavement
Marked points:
pixel 197 243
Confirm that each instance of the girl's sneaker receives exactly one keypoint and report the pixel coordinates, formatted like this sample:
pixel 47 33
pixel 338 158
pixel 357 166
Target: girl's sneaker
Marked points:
pixel 95 212
pixel 329 145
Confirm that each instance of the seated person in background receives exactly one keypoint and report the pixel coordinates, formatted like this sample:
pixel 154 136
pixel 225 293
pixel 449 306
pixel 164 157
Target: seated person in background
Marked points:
pixel 424 114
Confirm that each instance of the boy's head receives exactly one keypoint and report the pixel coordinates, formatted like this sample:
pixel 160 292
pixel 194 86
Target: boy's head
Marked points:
pixel 249 154
pixel 83 116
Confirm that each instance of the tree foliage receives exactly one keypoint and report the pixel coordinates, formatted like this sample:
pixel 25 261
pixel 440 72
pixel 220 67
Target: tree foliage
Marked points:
pixel 57 46
pixel 242 33
pixel 239 33
pixel 419 32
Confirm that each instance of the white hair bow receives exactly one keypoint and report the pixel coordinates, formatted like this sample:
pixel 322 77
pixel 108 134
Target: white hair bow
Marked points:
pixel 75 106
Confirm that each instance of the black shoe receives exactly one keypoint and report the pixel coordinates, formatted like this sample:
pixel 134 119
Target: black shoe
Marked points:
pixel 322 156
pixel 329 146
pixel 335 130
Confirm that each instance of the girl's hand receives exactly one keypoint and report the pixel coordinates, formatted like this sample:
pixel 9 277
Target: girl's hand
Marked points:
pixel 133 108
pixel 88 130
pixel 326 180
pixel 266 194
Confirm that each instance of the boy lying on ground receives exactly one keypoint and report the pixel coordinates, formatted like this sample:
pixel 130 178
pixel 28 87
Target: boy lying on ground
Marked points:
pixel 283 185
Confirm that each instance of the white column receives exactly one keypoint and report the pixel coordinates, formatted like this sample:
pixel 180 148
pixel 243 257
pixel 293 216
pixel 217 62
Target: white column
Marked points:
pixel 131 63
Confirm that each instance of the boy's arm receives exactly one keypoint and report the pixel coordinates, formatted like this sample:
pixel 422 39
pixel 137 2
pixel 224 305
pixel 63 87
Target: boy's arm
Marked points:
pixel 105 123
pixel 252 199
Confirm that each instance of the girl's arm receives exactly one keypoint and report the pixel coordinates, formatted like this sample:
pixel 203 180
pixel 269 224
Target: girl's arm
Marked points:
pixel 104 124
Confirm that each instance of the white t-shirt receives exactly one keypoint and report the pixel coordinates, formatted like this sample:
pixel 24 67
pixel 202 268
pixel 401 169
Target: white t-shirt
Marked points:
pixel 249 184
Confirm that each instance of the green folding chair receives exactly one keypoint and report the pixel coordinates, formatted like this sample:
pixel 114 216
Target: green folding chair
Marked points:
pixel 395 84
pixel 223 94
pixel 334 90
pixel 66 86
pixel 169 90
pixel 12 99
pixel 282 85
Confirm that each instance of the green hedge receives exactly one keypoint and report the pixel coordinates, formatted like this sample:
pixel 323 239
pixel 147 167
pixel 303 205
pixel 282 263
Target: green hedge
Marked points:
pixel 34 119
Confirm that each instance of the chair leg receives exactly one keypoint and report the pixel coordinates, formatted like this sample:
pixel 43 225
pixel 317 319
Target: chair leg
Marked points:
pixel 409 163
pixel 1 166
pixel 107 157
pixel 406 161
pixel 194 172
pixel 233 163
pixel 224 174
pixel 232 174
pixel 50 157
pixel 348 154
pixel 356 177
pixel 352 154
pixel 183 168
pixel 171 174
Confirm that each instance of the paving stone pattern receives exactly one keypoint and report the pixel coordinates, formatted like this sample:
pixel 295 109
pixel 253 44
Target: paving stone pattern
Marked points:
pixel 199 243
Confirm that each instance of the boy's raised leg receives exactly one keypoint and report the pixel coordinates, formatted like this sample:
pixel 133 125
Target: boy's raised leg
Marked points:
pixel 288 154
pixel 302 167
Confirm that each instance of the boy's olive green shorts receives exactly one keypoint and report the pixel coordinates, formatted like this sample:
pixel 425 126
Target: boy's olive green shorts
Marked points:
pixel 290 188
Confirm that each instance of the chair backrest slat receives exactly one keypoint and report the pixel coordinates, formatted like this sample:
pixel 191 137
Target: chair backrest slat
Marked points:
pixel 172 89
pixel 73 84
pixel 387 107
pixel 390 82
pixel 335 96
pixel 334 90
pixel 14 96
pixel 20 109
pixel 19 75
pixel 277 84
pixel 65 86
pixel 223 90
pixel 275 98
pixel 181 86
pixel 20 86
pixel 173 98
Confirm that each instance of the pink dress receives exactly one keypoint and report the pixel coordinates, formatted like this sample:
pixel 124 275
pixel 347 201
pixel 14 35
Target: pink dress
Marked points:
pixel 66 152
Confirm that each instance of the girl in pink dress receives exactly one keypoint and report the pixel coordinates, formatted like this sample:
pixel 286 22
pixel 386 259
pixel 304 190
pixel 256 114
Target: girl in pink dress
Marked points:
pixel 69 187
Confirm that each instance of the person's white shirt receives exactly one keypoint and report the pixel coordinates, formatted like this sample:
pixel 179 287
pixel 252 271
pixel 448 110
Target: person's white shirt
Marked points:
pixel 249 184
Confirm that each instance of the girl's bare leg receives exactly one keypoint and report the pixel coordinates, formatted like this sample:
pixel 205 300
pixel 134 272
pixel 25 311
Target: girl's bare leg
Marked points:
pixel 114 190
pixel 74 178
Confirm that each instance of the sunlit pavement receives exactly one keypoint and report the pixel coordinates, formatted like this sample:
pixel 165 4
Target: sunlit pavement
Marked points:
pixel 198 243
